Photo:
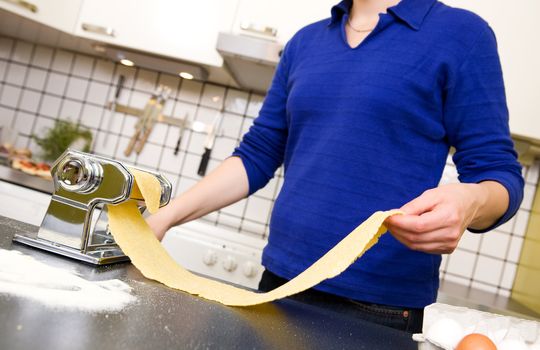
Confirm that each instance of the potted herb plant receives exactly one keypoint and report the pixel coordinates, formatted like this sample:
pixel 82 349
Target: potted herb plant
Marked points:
pixel 63 135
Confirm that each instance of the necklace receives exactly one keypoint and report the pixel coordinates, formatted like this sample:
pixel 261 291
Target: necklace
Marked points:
pixel 358 30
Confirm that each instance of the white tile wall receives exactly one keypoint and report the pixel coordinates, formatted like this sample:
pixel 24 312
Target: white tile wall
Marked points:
pixel 514 250
pixel 42 57
pixel 83 66
pixel 495 244
pixel 212 96
pixel 30 101
pixel 488 270
pixel 508 276
pixel 22 51
pixel 50 106
pixel 462 263
pixel 16 73
pixel 258 209
pixel 103 71
pixel 190 91
pixel 77 88
pixel 3 68
pixel 36 79
pixel 56 84
pixel 24 122
pixel 62 62
pixel 10 96
pixel 39 84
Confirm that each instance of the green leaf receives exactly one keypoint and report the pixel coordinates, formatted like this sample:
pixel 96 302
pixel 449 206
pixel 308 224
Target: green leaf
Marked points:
pixel 58 138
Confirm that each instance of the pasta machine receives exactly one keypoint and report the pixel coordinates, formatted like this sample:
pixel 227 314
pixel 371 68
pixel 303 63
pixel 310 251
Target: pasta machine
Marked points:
pixel 75 224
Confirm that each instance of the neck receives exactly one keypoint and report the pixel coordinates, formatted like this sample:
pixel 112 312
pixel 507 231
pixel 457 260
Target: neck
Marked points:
pixel 370 8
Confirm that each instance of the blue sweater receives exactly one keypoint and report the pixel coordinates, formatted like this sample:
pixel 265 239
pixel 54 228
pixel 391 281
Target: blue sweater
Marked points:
pixel 369 128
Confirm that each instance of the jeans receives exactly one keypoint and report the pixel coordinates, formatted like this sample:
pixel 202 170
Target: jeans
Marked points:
pixel 402 318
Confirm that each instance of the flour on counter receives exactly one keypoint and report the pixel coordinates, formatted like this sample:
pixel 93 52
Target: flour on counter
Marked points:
pixel 22 275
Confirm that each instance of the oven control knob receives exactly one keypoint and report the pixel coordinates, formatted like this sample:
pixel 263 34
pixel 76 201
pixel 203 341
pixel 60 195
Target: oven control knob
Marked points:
pixel 229 264
pixel 210 258
pixel 249 269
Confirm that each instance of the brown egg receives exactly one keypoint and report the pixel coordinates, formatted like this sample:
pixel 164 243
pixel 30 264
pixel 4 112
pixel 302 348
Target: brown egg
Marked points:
pixel 475 341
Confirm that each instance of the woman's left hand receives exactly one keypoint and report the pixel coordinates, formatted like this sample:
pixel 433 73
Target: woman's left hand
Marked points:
pixel 435 221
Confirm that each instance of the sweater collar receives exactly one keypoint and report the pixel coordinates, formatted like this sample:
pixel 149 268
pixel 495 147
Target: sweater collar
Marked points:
pixel 412 12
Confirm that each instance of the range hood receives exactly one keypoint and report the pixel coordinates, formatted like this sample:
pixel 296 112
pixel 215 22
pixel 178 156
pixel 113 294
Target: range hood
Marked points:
pixel 250 60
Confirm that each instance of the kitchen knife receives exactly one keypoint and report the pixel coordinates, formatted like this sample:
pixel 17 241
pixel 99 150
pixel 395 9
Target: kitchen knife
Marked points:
pixel 181 132
pixel 112 108
pixel 209 143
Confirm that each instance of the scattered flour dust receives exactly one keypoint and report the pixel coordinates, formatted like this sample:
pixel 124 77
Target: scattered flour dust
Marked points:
pixel 23 276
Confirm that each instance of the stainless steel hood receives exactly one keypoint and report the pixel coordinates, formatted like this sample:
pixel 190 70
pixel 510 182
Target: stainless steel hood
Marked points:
pixel 250 60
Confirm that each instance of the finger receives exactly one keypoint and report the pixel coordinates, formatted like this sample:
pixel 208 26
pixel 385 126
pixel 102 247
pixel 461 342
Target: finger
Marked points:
pixel 434 248
pixel 426 222
pixel 410 238
pixel 425 202
pixel 446 240
pixel 443 236
pixel 428 246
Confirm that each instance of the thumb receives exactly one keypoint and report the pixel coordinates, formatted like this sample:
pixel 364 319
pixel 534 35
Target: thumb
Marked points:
pixel 421 204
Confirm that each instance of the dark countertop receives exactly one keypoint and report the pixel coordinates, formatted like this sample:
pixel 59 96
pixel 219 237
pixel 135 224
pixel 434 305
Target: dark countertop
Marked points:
pixel 166 319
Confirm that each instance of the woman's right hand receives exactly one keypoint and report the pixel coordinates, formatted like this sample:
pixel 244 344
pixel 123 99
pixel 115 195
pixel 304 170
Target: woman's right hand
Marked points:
pixel 158 225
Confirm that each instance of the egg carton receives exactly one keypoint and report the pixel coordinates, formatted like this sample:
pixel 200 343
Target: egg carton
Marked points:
pixel 445 325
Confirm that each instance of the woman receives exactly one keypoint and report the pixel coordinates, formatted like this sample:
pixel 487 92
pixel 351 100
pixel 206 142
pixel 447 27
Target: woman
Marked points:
pixel 362 111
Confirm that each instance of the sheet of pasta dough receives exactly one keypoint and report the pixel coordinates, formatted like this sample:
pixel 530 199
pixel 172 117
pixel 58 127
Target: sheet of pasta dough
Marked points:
pixel 138 242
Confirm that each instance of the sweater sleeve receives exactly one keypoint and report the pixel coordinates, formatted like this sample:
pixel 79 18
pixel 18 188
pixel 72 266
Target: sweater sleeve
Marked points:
pixel 476 120
pixel 263 147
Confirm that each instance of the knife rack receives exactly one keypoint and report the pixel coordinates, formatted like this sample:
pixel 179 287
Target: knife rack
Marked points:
pixel 193 125
pixel 184 124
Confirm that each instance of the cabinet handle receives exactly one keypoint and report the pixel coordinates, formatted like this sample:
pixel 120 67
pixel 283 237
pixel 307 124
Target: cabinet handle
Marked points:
pixel 24 4
pixel 92 28
pixel 262 30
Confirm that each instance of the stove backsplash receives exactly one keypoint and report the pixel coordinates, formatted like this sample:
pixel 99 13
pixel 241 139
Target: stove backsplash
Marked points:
pixel 39 84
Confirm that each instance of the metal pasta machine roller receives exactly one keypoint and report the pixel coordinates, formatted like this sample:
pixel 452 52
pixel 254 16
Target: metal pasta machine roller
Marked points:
pixel 75 224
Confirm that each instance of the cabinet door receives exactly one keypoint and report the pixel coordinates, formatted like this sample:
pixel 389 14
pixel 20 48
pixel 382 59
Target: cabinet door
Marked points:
pixel 517 28
pixel 59 14
pixel 287 17
pixel 182 29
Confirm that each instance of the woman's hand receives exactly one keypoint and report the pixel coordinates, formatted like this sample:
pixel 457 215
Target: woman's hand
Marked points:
pixel 435 221
pixel 158 225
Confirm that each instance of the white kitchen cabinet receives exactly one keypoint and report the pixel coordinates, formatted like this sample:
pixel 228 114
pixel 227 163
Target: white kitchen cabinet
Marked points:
pixel 59 14
pixel 181 29
pixel 287 17
pixel 517 28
